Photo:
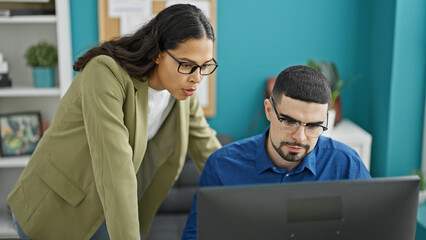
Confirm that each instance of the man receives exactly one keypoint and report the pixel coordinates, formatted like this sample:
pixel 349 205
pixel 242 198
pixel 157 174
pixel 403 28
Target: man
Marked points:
pixel 291 149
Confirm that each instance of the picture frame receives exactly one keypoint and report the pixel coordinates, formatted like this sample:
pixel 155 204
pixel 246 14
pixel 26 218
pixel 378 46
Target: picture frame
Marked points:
pixel 19 133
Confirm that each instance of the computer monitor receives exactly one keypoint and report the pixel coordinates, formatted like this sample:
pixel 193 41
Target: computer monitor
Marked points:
pixel 371 209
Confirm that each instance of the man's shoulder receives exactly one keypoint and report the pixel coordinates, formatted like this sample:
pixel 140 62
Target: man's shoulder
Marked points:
pixel 239 155
pixel 237 147
pixel 342 156
pixel 241 152
pixel 329 144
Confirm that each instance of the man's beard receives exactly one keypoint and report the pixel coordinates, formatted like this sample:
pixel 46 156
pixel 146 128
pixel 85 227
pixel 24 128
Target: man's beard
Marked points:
pixel 291 157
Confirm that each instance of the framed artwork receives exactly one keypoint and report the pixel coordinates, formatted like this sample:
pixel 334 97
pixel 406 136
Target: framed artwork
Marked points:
pixel 19 133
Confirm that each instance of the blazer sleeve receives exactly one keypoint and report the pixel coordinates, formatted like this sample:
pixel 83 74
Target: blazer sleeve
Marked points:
pixel 202 140
pixel 103 92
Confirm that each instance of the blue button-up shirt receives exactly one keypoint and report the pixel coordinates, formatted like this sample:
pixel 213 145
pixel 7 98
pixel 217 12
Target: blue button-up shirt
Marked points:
pixel 246 162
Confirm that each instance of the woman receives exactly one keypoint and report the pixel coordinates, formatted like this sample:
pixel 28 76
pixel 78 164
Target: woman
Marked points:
pixel 120 135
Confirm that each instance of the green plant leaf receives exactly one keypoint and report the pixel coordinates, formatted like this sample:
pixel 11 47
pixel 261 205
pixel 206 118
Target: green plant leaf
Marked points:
pixel 313 64
pixel 329 70
pixel 422 179
pixel 41 54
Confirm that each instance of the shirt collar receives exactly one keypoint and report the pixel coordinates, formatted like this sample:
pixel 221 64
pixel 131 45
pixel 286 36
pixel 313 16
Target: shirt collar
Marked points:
pixel 310 163
pixel 263 162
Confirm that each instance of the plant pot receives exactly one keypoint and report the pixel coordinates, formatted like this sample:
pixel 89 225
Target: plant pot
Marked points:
pixel 44 77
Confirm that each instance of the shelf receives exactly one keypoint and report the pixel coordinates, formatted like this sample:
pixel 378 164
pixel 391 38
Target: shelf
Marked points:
pixel 29 92
pixel 29 19
pixel 7 228
pixel 14 162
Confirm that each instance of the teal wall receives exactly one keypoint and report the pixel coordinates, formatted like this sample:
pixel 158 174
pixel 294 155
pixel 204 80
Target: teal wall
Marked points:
pixel 382 28
pixel 383 41
pixel 406 101
pixel 84 25
pixel 256 41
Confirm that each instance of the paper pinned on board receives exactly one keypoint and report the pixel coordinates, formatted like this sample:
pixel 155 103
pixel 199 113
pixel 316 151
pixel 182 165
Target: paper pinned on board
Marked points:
pixel 132 13
pixel 203 92
pixel 203 5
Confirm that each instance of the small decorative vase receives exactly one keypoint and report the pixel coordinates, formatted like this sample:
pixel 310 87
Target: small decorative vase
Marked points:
pixel 44 77
pixel 331 121
pixel 337 106
pixel 422 196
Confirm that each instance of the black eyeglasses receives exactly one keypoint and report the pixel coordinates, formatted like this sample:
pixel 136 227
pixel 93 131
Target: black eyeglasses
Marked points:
pixel 190 67
pixel 290 125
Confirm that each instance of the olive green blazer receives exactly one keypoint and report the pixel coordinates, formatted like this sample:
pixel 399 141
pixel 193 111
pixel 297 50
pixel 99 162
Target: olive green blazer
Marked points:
pixel 95 163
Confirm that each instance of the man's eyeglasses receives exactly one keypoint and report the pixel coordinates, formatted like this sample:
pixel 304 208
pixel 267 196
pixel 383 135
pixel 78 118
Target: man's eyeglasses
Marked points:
pixel 190 67
pixel 290 125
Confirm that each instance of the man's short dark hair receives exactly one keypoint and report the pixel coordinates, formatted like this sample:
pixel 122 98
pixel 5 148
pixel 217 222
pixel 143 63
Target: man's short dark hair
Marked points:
pixel 302 83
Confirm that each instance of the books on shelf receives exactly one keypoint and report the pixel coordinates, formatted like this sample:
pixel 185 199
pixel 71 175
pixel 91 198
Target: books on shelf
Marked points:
pixel 25 7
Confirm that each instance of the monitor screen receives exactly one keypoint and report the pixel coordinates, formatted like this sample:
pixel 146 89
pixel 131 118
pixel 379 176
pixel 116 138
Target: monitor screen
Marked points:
pixel 368 209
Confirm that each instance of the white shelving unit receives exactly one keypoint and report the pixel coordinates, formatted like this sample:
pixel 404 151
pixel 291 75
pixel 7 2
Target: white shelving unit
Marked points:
pixel 30 92
pixel 29 19
pixel 17 34
pixel 6 225
pixel 14 162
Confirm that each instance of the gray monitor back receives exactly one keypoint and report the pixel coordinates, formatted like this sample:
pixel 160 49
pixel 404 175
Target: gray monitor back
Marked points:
pixel 376 209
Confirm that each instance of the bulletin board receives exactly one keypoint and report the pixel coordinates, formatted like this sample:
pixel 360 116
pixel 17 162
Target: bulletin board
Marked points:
pixel 109 28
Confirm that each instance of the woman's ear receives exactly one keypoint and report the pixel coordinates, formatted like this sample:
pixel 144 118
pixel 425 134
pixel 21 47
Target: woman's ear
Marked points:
pixel 157 59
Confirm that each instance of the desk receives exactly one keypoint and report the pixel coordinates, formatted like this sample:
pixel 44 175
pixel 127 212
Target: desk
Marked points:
pixel 355 137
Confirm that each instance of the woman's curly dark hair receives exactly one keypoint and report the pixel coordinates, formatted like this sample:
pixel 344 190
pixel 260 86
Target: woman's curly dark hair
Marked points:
pixel 136 53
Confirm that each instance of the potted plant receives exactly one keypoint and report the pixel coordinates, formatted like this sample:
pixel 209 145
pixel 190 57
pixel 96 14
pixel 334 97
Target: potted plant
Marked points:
pixel 336 84
pixel 42 57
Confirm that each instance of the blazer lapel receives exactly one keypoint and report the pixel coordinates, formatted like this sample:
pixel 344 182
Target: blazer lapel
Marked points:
pixel 159 149
pixel 141 124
